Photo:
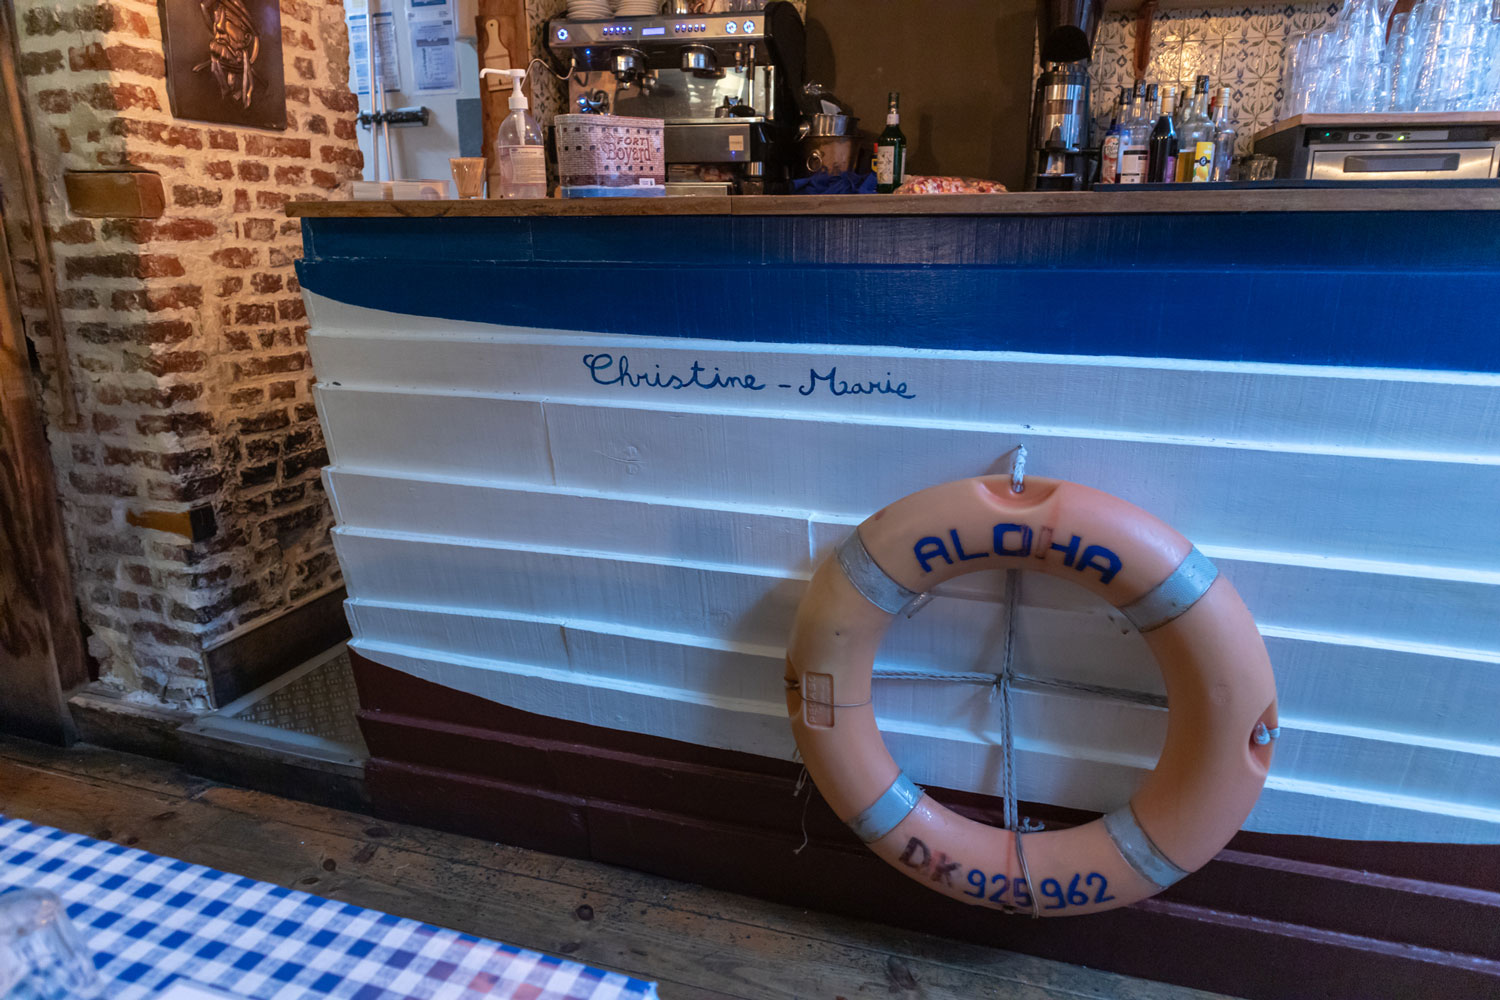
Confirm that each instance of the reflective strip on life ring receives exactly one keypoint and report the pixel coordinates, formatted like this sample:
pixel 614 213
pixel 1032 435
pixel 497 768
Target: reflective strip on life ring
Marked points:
pixel 1217 674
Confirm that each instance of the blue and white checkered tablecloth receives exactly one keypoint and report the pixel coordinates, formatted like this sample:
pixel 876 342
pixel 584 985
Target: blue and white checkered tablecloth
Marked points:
pixel 150 920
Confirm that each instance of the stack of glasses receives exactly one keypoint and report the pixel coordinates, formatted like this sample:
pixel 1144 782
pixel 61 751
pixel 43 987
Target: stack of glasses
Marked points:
pixel 1444 55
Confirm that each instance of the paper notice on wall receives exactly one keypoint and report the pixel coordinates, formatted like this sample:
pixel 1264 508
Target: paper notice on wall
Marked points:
pixel 385 51
pixel 434 58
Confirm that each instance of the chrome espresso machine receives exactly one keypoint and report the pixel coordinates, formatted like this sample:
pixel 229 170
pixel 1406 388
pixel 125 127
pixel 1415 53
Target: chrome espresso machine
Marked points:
pixel 728 87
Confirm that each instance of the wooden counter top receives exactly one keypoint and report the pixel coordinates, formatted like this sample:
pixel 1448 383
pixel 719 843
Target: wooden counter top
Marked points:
pixel 1361 199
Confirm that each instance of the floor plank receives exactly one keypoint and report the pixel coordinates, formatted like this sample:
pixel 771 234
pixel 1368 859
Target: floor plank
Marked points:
pixel 698 943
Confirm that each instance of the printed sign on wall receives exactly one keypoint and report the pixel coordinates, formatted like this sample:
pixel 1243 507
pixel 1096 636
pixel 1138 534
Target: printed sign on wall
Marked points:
pixel 361 35
pixel 434 59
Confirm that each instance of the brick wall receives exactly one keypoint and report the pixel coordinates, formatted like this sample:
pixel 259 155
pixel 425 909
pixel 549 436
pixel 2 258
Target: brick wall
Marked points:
pixel 186 335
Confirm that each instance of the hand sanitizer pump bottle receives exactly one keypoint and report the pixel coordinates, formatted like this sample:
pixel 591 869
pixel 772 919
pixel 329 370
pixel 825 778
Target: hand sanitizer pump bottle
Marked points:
pixel 520 154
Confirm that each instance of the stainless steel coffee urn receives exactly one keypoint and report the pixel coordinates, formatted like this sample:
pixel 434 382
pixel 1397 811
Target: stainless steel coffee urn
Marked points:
pixel 1061 157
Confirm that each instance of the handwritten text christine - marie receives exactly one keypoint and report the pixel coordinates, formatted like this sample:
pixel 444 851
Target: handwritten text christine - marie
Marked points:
pixel 609 369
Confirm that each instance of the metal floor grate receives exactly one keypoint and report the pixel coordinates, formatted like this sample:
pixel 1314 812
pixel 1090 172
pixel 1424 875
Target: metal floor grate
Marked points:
pixel 308 712
pixel 321 702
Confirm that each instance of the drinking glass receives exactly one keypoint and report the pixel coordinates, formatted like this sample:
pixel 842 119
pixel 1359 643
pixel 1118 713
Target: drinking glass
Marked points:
pixel 1258 167
pixel 41 955
pixel 468 175
pixel 1293 100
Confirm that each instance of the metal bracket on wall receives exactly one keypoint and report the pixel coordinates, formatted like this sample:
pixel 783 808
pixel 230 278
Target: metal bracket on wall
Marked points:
pixel 398 116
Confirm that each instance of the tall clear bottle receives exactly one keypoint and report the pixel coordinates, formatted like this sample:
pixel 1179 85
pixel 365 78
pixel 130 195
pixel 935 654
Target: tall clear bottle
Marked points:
pixel 890 150
pixel 520 152
pixel 1224 136
pixel 1135 137
pixel 1161 165
pixel 1195 138
pixel 1110 147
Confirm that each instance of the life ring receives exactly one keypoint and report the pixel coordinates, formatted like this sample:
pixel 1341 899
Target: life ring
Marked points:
pixel 1220 689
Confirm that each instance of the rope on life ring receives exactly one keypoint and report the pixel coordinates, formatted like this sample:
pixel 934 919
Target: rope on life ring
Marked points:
pixel 1218 678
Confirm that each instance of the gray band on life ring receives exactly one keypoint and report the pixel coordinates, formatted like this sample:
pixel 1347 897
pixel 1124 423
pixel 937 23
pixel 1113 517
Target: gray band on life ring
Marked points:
pixel 1174 595
pixel 873 583
pixel 1138 850
pixel 894 804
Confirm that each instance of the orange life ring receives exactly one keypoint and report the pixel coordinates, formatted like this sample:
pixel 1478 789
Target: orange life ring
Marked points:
pixel 1220 690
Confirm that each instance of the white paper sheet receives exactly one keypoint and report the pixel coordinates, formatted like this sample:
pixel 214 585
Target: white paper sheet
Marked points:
pixel 385 52
pixel 434 59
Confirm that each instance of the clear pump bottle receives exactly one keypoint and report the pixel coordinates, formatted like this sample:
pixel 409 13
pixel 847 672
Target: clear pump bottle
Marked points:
pixel 520 152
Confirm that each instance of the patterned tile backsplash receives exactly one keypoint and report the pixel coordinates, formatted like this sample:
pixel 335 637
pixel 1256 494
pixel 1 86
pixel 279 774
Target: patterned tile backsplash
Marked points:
pixel 1241 48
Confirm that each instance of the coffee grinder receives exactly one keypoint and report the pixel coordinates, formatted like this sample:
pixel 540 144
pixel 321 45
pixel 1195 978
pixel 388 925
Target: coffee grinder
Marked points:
pixel 1061 158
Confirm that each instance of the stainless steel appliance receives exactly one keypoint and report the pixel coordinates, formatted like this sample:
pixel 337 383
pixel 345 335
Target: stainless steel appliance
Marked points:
pixel 830 143
pixel 1060 128
pixel 727 86
pixel 1410 146
pixel 1061 158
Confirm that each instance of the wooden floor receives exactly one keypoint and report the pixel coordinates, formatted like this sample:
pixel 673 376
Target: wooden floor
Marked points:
pixel 697 943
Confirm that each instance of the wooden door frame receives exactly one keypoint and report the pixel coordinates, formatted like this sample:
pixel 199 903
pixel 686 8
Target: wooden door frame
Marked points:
pixel 41 642
pixel 41 638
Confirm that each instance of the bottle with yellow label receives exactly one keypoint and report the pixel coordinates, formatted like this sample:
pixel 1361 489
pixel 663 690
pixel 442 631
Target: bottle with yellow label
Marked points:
pixel 1195 139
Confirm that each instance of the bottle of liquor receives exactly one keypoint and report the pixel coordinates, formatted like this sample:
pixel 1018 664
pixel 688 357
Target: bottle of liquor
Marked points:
pixel 1224 136
pixel 1195 138
pixel 1109 149
pixel 890 150
pixel 1161 163
pixel 1135 139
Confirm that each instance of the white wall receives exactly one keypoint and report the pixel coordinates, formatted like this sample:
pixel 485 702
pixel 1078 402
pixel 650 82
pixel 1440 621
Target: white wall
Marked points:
pixel 419 152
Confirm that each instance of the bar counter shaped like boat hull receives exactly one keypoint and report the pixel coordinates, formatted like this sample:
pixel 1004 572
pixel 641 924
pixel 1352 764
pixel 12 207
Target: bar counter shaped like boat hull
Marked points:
pixel 583 463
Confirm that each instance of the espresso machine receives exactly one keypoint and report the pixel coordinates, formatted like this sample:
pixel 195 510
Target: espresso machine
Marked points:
pixel 1061 157
pixel 727 86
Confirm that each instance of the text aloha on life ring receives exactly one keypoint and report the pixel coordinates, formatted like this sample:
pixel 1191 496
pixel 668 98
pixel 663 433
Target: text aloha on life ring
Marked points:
pixel 1219 684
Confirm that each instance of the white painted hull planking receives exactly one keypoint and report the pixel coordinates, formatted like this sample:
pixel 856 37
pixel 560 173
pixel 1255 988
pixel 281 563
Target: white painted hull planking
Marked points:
pixel 521 523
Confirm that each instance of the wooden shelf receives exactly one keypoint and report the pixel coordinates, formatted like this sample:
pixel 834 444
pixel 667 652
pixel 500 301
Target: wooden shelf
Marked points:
pixel 1114 6
pixel 1407 119
pixel 1372 199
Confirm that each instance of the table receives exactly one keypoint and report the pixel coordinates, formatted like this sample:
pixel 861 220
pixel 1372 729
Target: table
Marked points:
pixel 150 920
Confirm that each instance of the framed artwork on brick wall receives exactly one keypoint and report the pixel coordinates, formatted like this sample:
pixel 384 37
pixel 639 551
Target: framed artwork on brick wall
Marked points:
pixel 224 61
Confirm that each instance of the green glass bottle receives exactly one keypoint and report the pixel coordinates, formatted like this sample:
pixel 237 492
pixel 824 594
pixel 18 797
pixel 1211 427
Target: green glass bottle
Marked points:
pixel 890 150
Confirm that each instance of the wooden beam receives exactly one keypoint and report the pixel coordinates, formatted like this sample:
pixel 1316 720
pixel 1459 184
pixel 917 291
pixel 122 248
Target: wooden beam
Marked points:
pixel 15 136
pixel 41 644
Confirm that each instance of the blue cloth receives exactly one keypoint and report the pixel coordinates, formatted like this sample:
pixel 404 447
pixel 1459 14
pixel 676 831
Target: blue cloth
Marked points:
pixel 847 182
pixel 150 920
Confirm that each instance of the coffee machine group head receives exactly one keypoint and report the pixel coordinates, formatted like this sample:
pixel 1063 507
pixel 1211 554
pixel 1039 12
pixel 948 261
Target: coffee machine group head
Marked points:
pixel 726 85
pixel 1059 157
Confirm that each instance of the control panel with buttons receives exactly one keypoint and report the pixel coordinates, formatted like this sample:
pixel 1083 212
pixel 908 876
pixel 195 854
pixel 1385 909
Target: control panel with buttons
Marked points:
pixel 584 34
